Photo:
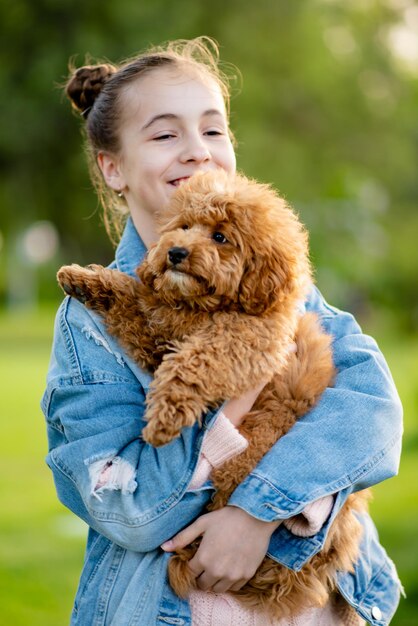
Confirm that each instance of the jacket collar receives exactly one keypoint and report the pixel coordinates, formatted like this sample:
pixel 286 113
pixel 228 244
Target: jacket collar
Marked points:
pixel 131 250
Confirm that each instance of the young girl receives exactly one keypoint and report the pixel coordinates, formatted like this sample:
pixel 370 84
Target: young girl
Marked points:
pixel 151 123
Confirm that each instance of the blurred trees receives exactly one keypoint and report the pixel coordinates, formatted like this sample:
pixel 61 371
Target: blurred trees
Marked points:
pixel 327 112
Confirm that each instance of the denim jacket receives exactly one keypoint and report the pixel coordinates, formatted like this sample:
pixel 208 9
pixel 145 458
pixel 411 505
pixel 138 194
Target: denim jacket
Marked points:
pixel 94 407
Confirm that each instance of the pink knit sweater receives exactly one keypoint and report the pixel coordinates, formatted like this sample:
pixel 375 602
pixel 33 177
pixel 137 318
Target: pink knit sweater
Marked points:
pixel 222 442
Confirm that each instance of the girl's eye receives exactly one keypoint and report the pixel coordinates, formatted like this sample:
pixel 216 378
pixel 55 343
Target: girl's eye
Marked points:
pixel 219 237
pixel 162 137
pixel 213 133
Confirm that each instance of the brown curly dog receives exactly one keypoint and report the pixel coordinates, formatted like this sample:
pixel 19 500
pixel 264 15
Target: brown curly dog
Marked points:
pixel 215 313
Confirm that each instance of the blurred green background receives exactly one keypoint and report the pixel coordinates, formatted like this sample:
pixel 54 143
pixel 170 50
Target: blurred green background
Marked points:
pixel 327 111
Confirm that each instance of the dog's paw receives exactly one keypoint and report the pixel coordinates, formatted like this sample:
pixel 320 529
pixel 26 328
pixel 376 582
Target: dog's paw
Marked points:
pixel 162 426
pixel 88 285
pixel 74 281
pixel 167 417
pixel 156 434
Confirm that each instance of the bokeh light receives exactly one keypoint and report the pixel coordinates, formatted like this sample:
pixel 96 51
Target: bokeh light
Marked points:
pixel 40 242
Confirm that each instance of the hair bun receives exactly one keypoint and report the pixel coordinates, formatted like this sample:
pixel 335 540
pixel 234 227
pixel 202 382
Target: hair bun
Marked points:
pixel 85 85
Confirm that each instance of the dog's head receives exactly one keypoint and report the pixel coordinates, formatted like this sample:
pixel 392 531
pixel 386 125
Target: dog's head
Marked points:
pixel 228 241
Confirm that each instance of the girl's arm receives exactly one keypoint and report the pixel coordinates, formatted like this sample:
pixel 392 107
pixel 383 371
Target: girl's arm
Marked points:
pixel 349 441
pixel 127 490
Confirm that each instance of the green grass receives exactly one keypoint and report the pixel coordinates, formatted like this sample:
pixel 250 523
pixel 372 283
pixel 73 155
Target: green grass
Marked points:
pixel 41 545
pixel 41 548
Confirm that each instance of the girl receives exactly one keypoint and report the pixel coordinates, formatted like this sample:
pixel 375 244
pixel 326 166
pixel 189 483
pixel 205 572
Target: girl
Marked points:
pixel 150 124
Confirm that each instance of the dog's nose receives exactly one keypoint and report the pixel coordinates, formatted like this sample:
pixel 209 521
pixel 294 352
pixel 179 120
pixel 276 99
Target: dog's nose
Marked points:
pixel 177 255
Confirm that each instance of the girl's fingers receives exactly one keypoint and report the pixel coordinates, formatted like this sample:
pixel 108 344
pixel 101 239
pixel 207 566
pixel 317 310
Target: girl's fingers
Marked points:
pixel 206 582
pixel 238 585
pixel 195 568
pixel 184 537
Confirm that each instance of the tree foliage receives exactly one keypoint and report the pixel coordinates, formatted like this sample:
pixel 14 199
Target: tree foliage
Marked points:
pixel 327 112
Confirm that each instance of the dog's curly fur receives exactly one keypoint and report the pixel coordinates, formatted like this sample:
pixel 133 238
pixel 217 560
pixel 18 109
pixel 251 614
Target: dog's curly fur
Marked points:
pixel 214 313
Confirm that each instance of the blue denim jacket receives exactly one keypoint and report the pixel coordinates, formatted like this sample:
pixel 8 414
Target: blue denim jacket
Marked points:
pixel 94 406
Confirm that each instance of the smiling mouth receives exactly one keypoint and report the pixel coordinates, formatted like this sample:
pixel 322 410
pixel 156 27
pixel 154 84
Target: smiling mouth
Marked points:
pixel 176 182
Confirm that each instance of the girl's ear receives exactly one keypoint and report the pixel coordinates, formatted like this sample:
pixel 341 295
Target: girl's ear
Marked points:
pixel 110 167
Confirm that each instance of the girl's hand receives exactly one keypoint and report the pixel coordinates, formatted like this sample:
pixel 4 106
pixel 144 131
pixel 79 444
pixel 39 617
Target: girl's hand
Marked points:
pixel 232 547
pixel 235 410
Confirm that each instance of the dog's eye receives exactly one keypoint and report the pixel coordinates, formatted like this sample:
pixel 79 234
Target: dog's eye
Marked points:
pixel 219 237
pixel 185 227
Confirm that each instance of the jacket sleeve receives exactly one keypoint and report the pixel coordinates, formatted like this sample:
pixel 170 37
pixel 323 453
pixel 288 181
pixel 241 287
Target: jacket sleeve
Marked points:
pixel 349 441
pixel 132 493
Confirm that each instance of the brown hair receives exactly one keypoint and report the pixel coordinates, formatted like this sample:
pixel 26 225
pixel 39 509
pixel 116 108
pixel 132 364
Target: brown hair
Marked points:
pixel 96 91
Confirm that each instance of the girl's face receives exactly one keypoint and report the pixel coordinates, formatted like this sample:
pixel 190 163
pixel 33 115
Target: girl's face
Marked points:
pixel 173 125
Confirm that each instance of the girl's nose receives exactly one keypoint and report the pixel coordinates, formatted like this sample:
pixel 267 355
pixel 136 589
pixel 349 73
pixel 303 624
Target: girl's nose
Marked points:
pixel 195 150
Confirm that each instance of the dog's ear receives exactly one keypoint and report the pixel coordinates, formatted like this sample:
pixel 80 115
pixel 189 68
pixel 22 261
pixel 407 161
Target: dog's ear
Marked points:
pixel 145 273
pixel 267 280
